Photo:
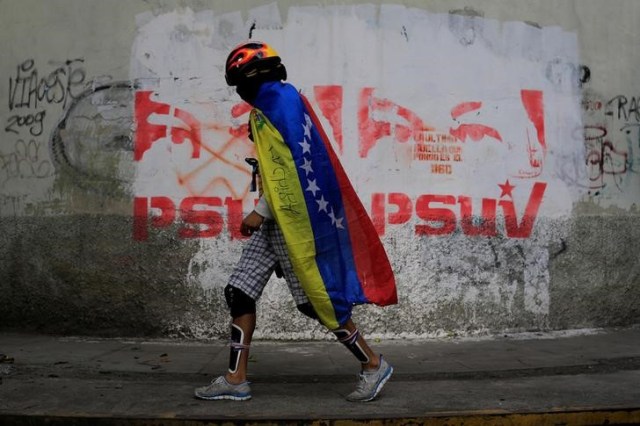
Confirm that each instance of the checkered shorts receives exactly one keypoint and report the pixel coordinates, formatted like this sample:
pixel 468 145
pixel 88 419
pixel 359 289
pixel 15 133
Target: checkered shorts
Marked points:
pixel 260 255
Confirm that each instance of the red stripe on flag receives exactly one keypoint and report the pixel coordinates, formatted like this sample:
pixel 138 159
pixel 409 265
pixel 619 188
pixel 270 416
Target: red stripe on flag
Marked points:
pixel 371 261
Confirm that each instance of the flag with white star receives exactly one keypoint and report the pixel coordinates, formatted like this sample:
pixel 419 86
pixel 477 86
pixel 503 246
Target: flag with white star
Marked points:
pixel 334 248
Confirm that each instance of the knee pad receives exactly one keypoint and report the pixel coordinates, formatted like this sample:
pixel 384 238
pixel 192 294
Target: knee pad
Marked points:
pixel 350 341
pixel 239 302
pixel 307 309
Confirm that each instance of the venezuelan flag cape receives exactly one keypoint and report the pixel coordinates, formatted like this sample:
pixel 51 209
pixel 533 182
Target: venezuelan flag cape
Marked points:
pixel 334 248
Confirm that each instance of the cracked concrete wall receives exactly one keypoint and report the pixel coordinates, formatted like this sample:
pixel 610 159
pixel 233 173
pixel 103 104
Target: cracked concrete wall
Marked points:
pixel 496 148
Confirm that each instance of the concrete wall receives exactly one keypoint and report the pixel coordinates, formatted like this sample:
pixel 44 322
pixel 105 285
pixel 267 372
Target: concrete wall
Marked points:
pixel 495 143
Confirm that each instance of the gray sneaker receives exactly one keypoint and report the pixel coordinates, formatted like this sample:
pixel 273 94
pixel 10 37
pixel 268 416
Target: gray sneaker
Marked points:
pixel 221 389
pixel 371 382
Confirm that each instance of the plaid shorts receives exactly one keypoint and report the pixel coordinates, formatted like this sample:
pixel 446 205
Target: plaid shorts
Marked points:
pixel 260 255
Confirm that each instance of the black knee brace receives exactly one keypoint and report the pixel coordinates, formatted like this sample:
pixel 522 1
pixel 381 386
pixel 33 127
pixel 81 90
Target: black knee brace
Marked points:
pixel 239 302
pixel 350 340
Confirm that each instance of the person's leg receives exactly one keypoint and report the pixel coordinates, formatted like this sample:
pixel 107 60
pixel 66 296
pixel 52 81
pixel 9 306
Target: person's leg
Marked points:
pixel 375 369
pixel 353 340
pixel 242 326
pixel 239 361
pixel 233 384
pixel 246 285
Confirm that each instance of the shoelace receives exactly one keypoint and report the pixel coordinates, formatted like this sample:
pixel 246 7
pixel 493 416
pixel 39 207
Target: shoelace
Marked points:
pixel 218 380
pixel 362 382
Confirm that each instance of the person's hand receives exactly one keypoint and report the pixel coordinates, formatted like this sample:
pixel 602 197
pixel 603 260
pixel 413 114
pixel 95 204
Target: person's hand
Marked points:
pixel 251 223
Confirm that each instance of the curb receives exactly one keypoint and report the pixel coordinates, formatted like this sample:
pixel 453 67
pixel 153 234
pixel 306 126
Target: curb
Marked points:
pixel 578 417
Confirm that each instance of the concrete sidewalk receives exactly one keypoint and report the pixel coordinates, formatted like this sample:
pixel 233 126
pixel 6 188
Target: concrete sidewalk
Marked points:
pixel 589 378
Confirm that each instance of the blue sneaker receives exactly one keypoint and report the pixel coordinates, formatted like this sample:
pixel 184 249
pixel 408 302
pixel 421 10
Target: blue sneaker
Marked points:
pixel 221 389
pixel 371 382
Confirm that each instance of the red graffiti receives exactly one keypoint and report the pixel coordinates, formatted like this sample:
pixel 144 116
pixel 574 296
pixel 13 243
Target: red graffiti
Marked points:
pixel 524 228
pixel 329 100
pixel 506 188
pixel 464 108
pixel 442 219
pixel 487 226
pixel 532 100
pixel 371 130
pixel 536 145
pixel 199 217
pixel 189 127
pixel 148 133
pixel 533 105
pixel 239 110
pixel 402 214
pixel 474 131
pixel 405 125
pixel 203 217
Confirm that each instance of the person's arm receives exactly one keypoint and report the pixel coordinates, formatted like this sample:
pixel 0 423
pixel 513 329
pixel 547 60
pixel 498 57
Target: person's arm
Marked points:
pixel 253 220
pixel 262 208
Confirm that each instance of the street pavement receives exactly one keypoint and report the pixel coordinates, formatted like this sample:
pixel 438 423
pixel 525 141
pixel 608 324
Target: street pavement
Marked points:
pixel 583 377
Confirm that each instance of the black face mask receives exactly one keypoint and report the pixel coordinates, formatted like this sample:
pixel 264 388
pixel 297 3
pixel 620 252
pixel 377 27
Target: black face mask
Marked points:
pixel 248 91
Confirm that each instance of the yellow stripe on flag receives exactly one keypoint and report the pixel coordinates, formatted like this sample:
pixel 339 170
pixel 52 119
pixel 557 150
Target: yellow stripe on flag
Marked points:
pixel 285 196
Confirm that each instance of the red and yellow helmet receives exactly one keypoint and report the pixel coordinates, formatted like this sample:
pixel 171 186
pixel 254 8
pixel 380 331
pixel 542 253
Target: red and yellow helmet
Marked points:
pixel 253 61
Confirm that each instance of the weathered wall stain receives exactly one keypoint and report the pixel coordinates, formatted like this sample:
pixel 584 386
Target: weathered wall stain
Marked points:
pixel 93 141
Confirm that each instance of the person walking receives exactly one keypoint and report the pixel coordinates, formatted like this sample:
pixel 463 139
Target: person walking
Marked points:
pixel 309 225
